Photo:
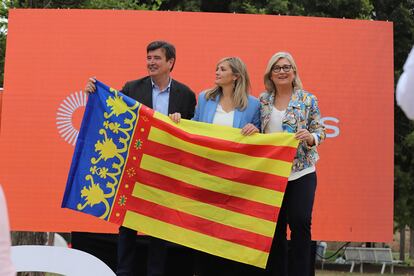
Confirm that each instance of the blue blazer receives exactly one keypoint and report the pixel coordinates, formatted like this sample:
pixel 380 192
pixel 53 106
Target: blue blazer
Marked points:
pixel 206 109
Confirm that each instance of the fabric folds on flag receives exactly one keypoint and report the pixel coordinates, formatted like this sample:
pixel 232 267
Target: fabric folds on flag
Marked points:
pixel 200 185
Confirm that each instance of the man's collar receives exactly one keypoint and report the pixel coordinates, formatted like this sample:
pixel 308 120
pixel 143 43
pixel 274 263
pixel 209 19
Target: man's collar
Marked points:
pixel 153 84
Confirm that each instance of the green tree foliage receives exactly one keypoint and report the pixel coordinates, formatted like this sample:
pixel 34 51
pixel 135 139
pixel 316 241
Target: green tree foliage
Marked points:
pixel 403 171
pixel 44 4
pixel 361 9
pixel 178 5
pixel 122 4
pixel 357 9
pixel 401 13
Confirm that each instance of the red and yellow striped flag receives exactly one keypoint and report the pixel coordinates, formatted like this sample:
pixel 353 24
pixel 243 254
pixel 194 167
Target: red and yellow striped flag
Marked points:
pixel 203 186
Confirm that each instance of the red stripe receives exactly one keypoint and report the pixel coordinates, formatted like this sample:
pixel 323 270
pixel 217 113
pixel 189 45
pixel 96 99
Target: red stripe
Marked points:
pixel 232 203
pixel 200 225
pixel 254 178
pixel 283 153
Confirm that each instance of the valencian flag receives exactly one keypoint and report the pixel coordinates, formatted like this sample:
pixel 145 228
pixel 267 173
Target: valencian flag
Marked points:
pixel 200 185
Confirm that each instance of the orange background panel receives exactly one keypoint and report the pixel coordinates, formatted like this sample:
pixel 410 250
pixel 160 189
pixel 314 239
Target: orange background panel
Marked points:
pixel 1 98
pixel 348 64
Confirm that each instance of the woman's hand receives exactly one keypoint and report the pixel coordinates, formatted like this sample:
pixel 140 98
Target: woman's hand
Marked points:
pixel 249 129
pixel 305 135
pixel 90 86
pixel 175 117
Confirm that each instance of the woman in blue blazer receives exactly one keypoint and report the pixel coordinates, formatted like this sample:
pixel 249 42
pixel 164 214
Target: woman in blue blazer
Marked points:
pixel 228 102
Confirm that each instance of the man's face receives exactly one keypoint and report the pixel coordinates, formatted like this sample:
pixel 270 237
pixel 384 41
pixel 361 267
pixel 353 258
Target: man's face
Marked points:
pixel 157 63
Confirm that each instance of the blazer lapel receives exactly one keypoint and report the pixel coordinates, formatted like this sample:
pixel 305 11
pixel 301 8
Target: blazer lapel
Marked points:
pixel 146 97
pixel 266 110
pixel 174 100
pixel 290 119
pixel 238 116
pixel 211 107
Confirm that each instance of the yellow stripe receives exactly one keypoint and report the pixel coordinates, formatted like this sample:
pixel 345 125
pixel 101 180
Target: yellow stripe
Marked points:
pixel 260 164
pixel 203 210
pixel 211 182
pixel 195 240
pixel 231 134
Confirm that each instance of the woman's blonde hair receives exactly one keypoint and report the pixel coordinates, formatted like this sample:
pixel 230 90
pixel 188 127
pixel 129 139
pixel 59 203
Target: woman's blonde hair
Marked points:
pixel 241 84
pixel 269 85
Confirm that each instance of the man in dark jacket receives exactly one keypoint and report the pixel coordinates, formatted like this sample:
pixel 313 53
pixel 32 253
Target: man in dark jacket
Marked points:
pixel 165 95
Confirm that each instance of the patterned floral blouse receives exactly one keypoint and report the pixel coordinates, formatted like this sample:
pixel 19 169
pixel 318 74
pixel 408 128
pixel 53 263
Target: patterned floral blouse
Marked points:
pixel 302 112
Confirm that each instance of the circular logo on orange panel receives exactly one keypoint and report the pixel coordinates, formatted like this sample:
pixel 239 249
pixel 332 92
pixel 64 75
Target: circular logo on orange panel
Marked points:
pixel 69 116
